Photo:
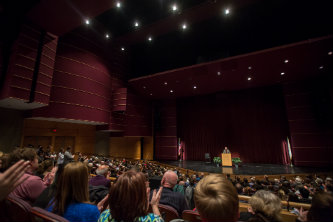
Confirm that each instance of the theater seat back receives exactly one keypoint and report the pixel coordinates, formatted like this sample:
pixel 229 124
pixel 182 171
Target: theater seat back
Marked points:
pixel 18 209
pixel 41 215
pixel 190 215
pixel 168 213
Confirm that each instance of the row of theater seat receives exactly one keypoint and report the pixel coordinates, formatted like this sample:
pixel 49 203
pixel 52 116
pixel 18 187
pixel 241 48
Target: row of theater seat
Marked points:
pixel 15 209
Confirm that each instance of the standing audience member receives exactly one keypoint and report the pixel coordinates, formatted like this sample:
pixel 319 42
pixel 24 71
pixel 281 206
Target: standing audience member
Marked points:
pixel 61 156
pixel 100 179
pixel 72 197
pixel 170 198
pixel 128 200
pixel 68 155
pixel 33 185
pixel 216 199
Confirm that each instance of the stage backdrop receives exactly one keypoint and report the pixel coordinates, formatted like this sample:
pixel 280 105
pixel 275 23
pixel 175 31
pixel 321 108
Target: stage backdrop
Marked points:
pixel 251 122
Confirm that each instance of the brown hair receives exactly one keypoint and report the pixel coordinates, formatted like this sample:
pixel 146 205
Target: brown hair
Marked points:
pixel 321 208
pixel 216 199
pixel 25 153
pixel 128 197
pixel 72 187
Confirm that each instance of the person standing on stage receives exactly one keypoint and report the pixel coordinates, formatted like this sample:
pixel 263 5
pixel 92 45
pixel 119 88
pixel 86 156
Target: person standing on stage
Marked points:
pixel 226 150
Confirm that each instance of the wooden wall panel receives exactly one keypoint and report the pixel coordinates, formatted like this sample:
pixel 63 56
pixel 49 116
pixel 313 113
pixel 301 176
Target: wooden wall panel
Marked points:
pixel 148 148
pixel 84 134
pixel 127 147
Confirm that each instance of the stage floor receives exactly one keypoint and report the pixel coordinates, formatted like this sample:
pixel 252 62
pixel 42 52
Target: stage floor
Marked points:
pixel 246 168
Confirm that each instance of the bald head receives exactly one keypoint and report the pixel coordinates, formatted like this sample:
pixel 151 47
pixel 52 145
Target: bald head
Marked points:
pixel 169 179
pixel 102 170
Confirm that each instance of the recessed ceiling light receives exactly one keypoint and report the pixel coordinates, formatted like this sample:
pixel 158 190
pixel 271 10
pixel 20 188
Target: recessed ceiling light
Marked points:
pixel 87 21
pixel 171 91
pixel 250 67
pixel 286 61
pixel 118 4
pixel 136 24
pixel 282 73
pixel 150 38
pixel 151 94
pixel 329 53
pixel 227 11
pixel 122 49
pixel 174 7
pixel 107 36
pixel 144 87
pixel 165 83
pixel 321 67
pixel 184 26
pixel 218 73
pixel 194 87
pixel 249 78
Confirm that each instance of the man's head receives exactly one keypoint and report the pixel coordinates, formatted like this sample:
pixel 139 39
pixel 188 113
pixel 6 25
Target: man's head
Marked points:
pixel 169 179
pixel 216 199
pixel 102 170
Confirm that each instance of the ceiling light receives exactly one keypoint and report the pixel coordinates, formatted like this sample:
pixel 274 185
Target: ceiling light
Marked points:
pixel 151 94
pixel 218 73
pixel 144 87
pixel 87 21
pixel 174 8
pixel 184 26
pixel 249 78
pixel 136 24
pixel 194 87
pixel 107 36
pixel 282 73
pixel 165 83
pixel 329 53
pixel 250 67
pixel 118 4
pixel 321 67
pixel 122 49
pixel 227 11
pixel 150 38
pixel 286 61
pixel 171 91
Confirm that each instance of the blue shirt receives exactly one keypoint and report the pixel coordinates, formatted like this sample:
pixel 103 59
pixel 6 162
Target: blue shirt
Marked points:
pixel 77 212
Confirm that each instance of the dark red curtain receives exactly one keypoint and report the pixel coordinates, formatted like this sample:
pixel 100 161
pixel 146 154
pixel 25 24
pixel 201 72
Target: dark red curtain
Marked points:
pixel 250 122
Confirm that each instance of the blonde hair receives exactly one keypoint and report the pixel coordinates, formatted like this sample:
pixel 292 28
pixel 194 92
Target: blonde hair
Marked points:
pixel 72 187
pixel 266 203
pixel 216 199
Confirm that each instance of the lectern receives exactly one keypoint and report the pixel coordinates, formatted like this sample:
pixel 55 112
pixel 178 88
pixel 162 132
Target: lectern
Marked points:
pixel 226 159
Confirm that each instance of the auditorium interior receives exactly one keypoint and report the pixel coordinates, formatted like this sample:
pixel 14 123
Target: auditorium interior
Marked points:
pixel 171 81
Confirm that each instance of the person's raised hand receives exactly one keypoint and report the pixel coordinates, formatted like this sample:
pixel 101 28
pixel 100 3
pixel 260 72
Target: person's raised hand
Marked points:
pixel 156 197
pixel 12 177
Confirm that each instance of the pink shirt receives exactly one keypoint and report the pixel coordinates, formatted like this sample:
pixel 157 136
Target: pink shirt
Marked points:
pixel 30 189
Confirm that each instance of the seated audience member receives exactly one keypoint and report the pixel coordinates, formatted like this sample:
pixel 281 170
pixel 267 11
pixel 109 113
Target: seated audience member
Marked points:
pixel 100 178
pixel 12 177
pixel 61 157
pixel 170 198
pixel 44 168
pixel 128 200
pixel 216 199
pixel 72 198
pixel 32 186
pixel 321 209
pixel 265 206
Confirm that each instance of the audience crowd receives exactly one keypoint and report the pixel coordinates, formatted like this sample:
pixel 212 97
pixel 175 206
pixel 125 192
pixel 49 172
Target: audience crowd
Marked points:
pixel 81 188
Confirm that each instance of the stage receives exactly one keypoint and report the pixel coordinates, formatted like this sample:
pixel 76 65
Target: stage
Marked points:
pixel 246 168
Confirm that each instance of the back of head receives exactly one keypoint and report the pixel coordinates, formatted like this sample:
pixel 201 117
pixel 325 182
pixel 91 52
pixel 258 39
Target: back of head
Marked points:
pixel 169 179
pixel 128 197
pixel 321 208
pixel 102 170
pixel 266 203
pixel 216 199
pixel 72 186
pixel 28 154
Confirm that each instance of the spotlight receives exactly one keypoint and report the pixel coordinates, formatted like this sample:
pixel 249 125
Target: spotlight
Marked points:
pixel 184 26
pixel 174 8
pixel 249 78
pixel 118 4
pixel 150 39
pixel 87 21
pixel 227 11
pixel 282 73
pixel 122 49
pixel 107 36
